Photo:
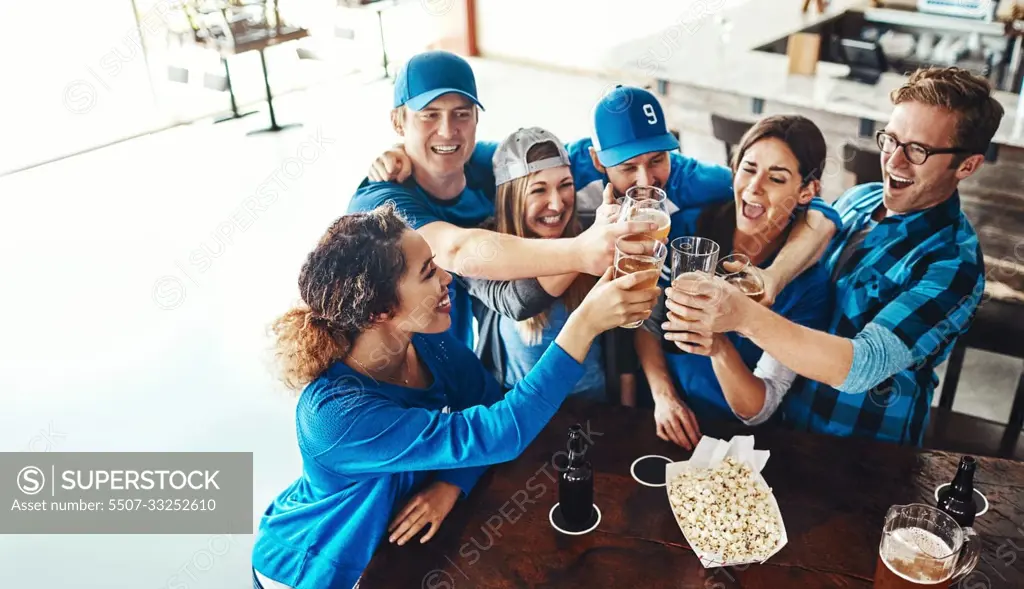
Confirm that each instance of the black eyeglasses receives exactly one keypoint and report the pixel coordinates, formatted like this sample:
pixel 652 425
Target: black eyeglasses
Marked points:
pixel 915 153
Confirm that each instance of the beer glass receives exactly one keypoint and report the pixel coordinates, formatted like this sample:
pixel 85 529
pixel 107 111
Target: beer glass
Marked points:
pixel 737 270
pixel 694 260
pixel 647 203
pixel 923 547
pixel 635 253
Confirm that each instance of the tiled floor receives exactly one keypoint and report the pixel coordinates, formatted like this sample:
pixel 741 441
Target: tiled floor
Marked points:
pixel 135 310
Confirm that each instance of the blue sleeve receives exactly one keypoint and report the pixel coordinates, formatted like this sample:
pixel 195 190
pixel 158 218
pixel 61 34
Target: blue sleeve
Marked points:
pixel 414 209
pixel 371 434
pixel 483 154
pixel 817 204
pixel 476 387
pixel 697 184
pixel 480 167
pixel 581 164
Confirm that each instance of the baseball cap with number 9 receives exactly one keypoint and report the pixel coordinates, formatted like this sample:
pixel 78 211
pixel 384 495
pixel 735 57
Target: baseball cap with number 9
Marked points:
pixel 628 122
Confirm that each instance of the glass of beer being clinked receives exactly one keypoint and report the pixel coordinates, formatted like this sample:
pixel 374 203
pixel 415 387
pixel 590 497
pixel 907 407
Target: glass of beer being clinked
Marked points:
pixel 694 260
pixel 635 253
pixel 647 203
pixel 923 547
pixel 737 270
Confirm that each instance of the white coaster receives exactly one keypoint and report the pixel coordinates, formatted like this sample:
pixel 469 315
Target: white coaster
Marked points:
pixel 980 500
pixel 632 470
pixel 551 519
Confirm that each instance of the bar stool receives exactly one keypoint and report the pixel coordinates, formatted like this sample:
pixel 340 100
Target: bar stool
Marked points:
pixel 730 132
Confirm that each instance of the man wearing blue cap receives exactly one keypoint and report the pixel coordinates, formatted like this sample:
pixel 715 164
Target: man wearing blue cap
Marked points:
pixel 445 197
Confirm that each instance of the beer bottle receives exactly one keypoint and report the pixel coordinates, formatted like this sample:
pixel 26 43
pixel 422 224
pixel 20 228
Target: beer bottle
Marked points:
pixel 576 484
pixel 958 501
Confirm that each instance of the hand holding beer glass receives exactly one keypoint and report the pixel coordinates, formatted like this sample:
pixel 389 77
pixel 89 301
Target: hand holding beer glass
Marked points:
pixel 694 260
pixel 923 547
pixel 636 253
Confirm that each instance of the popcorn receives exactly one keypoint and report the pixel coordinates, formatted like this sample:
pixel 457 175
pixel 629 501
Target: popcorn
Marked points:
pixel 725 510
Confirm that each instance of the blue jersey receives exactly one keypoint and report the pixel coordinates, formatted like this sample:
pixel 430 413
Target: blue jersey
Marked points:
pixel 469 210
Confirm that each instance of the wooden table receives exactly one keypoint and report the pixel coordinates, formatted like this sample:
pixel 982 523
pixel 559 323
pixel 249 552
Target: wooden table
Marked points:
pixel 833 494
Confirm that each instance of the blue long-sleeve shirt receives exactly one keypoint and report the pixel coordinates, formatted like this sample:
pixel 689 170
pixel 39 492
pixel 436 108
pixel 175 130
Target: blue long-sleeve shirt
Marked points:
pixel 367 447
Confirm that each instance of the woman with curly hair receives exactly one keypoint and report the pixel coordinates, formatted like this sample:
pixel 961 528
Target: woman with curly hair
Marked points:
pixel 397 419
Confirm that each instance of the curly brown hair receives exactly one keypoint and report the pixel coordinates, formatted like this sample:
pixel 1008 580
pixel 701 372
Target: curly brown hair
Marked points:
pixel 347 281
pixel 958 90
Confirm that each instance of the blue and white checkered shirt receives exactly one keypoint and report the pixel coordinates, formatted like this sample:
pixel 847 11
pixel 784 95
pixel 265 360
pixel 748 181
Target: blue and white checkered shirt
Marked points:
pixel 918 277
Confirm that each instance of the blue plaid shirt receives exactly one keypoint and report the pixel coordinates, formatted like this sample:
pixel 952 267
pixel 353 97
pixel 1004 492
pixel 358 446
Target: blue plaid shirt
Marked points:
pixel 919 276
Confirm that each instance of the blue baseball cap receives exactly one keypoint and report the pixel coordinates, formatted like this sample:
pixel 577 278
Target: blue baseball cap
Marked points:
pixel 429 75
pixel 629 122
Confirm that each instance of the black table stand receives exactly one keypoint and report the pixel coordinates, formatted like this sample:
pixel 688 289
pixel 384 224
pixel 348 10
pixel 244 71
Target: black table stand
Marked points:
pixel 231 92
pixel 274 127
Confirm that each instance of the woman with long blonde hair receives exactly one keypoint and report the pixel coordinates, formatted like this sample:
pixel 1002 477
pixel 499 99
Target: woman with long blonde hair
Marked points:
pixel 535 198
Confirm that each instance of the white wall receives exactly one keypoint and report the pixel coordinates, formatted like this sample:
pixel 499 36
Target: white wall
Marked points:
pixel 577 33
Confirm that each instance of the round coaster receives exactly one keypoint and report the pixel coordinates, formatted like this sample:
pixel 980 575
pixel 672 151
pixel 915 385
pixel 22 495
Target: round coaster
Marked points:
pixel 980 501
pixel 649 470
pixel 558 521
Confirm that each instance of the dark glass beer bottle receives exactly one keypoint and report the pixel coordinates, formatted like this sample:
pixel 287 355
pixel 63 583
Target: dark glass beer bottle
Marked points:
pixel 576 484
pixel 958 502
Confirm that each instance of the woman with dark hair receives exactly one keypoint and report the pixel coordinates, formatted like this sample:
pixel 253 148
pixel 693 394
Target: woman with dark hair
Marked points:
pixel 776 168
pixel 396 418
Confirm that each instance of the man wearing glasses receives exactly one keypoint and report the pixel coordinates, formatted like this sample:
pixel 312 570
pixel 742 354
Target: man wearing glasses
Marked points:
pixel 907 269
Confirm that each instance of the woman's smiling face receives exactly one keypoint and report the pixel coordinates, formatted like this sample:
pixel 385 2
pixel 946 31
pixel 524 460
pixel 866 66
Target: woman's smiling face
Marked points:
pixel 768 187
pixel 550 198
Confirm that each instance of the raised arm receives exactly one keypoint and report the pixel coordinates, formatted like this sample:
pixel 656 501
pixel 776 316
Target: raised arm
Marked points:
pixel 813 229
pixel 480 253
pixel 515 299
pixel 917 326
pixel 382 437
pixel 371 434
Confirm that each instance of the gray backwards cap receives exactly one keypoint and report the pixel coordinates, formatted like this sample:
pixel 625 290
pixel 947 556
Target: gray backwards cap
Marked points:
pixel 510 158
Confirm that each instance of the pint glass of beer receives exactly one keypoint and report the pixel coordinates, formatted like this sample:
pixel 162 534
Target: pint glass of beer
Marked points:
pixel 923 547
pixel 694 260
pixel 637 253
pixel 647 203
